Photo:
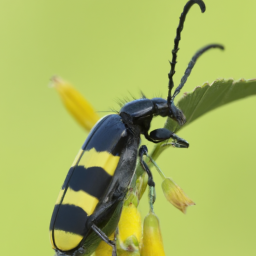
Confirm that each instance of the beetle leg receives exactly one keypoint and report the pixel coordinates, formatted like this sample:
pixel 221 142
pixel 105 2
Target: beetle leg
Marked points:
pixel 147 136
pixel 179 142
pixel 163 134
pixel 152 194
pixel 144 151
pixel 104 237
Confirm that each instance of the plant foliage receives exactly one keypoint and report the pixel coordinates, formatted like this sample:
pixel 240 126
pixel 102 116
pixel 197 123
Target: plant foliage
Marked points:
pixel 204 99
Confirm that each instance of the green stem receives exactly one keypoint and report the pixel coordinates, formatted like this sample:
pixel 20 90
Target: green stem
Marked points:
pixel 151 196
pixel 157 167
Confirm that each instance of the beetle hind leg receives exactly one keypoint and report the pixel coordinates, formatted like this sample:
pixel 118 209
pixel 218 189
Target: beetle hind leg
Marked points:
pixel 104 237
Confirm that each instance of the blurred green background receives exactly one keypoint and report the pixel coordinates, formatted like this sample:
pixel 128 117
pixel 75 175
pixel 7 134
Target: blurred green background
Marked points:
pixel 109 49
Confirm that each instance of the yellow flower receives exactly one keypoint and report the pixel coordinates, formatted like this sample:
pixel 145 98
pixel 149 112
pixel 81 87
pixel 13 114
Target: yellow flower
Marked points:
pixel 104 249
pixel 175 195
pixel 75 103
pixel 130 223
pixel 152 243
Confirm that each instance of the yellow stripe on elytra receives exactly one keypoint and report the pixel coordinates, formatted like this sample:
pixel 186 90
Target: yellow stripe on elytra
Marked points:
pixel 103 159
pixel 66 241
pixel 59 196
pixel 81 199
pixel 51 241
pixel 78 156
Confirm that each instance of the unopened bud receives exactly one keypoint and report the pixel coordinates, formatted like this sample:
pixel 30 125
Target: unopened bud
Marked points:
pixel 175 195
pixel 130 223
pixel 75 103
pixel 152 243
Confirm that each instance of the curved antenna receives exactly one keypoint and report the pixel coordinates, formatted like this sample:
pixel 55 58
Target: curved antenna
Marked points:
pixel 191 65
pixel 177 39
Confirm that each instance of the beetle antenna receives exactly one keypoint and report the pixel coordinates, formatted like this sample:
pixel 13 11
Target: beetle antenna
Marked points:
pixel 191 65
pixel 177 39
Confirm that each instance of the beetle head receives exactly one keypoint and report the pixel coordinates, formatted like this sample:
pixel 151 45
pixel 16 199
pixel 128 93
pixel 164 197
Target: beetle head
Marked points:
pixel 176 114
pixel 162 108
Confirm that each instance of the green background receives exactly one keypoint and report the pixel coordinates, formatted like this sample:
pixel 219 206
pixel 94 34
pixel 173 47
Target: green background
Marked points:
pixel 109 49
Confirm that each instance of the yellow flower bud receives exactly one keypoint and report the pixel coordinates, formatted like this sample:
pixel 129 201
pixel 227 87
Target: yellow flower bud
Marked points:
pixel 130 223
pixel 152 243
pixel 175 195
pixel 75 103
pixel 104 249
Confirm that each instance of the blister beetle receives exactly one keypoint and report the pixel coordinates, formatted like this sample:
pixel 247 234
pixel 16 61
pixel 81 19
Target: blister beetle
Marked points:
pixel 89 205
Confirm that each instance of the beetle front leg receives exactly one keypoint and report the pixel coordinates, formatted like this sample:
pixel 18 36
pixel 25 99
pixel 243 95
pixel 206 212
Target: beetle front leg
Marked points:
pixel 158 135
pixel 163 134
pixel 152 193
pixel 179 142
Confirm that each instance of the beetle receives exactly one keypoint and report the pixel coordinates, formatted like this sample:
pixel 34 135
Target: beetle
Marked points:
pixel 89 204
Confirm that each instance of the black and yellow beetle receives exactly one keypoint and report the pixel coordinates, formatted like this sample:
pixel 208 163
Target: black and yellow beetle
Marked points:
pixel 89 205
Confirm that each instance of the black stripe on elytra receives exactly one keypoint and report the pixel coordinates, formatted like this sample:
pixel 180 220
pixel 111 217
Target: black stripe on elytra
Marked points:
pixel 54 214
pixel 110 136
pixel 68 177
pixel 93 180
pixel 70 218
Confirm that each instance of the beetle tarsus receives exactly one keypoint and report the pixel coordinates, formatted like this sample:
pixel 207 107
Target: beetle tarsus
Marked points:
pixel 179 142
pixel 104 237
pixel 114 253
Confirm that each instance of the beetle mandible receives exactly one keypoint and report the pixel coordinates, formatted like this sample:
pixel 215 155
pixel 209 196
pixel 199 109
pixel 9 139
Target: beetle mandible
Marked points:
pixel 89 204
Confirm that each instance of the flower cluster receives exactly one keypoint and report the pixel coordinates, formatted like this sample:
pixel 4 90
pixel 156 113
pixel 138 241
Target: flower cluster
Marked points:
pixel 132 238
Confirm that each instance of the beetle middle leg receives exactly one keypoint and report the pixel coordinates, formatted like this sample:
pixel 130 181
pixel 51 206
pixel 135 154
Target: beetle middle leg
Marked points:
pixel 104 237
pixel 152 194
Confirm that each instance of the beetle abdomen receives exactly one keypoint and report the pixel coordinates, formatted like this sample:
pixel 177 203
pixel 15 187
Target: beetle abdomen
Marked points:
pixel 86 183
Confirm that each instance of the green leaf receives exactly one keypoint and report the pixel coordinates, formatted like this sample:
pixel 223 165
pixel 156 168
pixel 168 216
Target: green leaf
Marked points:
pixel 204 99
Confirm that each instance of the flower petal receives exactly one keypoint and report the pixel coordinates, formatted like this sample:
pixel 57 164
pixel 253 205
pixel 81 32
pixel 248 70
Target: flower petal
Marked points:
pixel 175 195
pixel 75 103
